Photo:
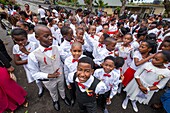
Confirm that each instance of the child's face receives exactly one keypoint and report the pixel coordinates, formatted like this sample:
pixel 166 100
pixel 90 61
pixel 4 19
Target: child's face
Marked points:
pixel 143 48
pixel 80 39
pixel 92 30
pixel 60 25
pixel 105 29
pixel 69 36
pixel 158 60
pixel 80 33
pixel 111 46
pixel 45 37
pixel 20 40
pixel 84 71
pixel 108 66
pixel 76 51
pixel 127 39
pixel 166 46
pixel 101 39
pixel 74 21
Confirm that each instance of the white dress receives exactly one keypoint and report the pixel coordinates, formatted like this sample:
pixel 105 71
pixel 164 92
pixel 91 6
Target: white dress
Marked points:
pixel 149 76
pixel 125 52
pixel 30 47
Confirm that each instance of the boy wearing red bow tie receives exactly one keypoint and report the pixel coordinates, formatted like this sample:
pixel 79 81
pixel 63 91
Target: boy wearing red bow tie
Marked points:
pixel 70 65
pixel 111 80
pixel 87 86
pixel 45 64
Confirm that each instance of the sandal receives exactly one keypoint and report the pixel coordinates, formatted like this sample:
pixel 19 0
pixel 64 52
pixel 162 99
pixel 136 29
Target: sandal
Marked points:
pixel 25 104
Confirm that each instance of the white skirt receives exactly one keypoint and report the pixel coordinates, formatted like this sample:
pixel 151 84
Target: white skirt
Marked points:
pixel 134 93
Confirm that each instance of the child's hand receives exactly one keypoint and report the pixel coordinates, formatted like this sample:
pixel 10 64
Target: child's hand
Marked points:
pixel 69 86
pixel 55 74
pixel 97 95
pixel 23 49
pixel 151 56
pixel 122 77
pixel 10 69
pixel 143 89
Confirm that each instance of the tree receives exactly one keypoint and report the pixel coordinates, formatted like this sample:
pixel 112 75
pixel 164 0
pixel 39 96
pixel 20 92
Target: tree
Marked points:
pixel 101 3
pixel 167 7
pixel 89 4
pixel 123 6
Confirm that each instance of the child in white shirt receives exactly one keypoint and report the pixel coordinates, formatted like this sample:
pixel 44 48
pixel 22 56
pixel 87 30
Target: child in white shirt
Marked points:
pixel 110 78
pixel 21 50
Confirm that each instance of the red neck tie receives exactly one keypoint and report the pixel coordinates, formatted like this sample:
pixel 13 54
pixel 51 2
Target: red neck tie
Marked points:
pixel 100 45
pixel 107 75
pixel 81 85
pixel 47 49
pixel 75 60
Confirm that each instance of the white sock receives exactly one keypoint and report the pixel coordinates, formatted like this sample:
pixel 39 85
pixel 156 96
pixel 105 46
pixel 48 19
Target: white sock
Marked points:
pixel 134 106
pixel 125 102
pixel 40 87
pixel 120 88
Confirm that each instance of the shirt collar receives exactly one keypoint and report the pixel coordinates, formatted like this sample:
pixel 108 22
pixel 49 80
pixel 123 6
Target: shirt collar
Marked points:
pixel 88 82
pixel 42 48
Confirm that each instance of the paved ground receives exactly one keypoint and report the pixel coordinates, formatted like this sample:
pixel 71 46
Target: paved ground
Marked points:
pixel 44 104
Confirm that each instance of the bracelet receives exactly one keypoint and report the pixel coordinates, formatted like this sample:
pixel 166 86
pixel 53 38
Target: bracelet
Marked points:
pixel 148 89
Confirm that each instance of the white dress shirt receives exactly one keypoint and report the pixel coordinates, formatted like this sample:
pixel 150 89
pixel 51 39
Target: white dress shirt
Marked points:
pixel 66 46
pixel 70 66
pixel 16 51
pixel 110 82
pixel 33 63
pixel 100 88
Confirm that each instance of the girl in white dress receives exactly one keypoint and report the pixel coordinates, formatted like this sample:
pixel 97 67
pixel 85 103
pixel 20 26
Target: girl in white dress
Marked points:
pixel 21 50
pixel 125 50
pixel 149 78
pixel 140 56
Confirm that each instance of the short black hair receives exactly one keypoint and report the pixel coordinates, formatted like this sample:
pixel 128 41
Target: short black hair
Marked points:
pixel 166 55
pixel 18 31
pixel 65 30
pixel 110 58
pixel 106 24
pixel 119 62
pixel 142 32
pixel 123 31
pixel 79 10
pixel 23 13
pixel 151 36
pixel 87 60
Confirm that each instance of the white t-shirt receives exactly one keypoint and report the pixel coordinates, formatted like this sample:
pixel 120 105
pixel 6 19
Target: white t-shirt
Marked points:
pixel 41 12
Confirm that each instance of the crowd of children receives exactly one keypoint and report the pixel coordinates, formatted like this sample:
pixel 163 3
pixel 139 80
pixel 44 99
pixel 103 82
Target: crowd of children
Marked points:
pixel 95 56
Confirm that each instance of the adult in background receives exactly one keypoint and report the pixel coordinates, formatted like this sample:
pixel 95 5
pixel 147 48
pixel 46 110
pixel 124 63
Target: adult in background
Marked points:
pixel 41 12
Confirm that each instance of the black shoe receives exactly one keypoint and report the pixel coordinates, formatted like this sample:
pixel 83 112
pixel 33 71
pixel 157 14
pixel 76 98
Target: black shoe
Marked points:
pixel 41 94
pixel 72 102
pixel 67 101
pixel 56 105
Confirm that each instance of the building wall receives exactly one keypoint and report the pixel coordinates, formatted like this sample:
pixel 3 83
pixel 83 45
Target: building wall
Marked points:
pixel 143 1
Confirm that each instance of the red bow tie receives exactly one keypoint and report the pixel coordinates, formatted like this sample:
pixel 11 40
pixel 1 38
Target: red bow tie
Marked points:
pixel 92 36
pixel 81 85
pixel 100 45
pixel 107 75
pixel 75 60
pixel 47 49
pixel 110 53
